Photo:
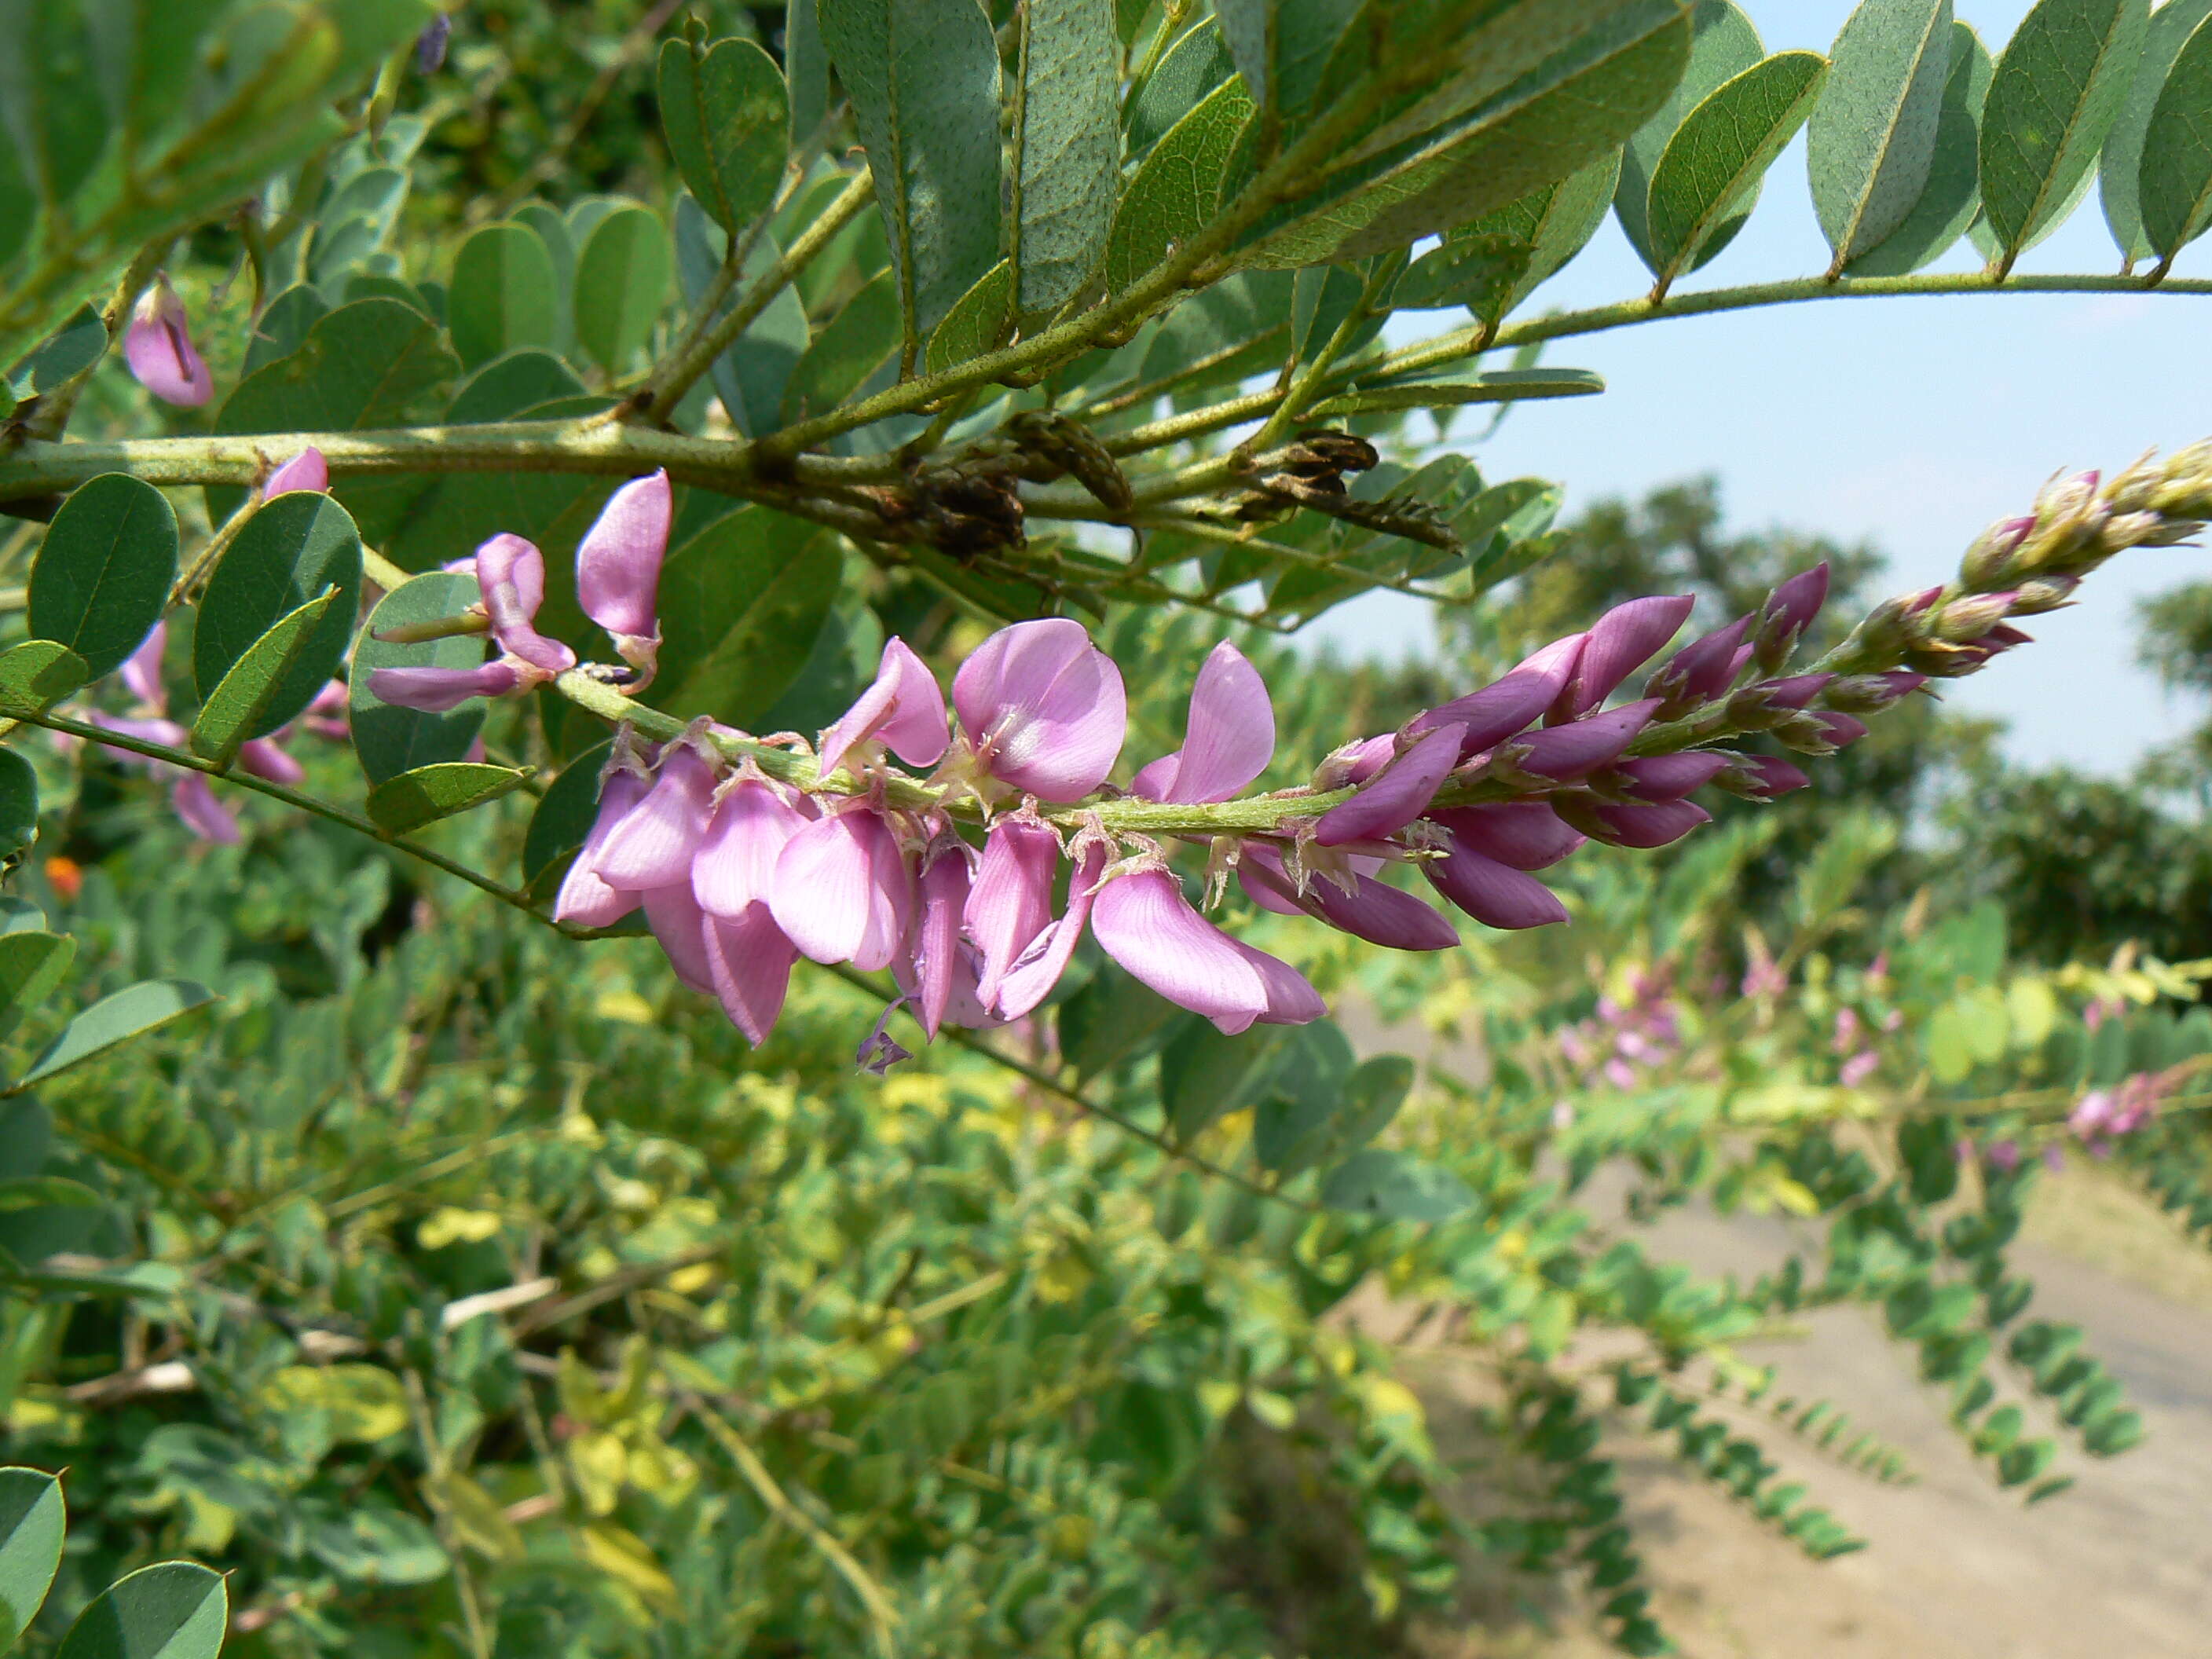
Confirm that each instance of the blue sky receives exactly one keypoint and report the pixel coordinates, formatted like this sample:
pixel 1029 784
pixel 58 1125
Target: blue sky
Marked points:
pixel 1907 422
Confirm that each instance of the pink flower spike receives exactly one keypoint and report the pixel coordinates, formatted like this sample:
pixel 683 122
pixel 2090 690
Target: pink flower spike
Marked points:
pixel 204 815
pixel 1397 795
pixel 262 758
pixel 1563 753
pixel 681 926
pixel 750 960
pixel 903 710
pixel 618 567
pixel 1376 912
pixel 1142 921
pixel 142 672
pixel 1659 825
pixel 1029 981
pixel 306 471
pixel 844 891
pixel 1621 641
pixel 511 572
pixel 584 898
pixel 655 842
pixel 1656 778
pixel 937 946
pixel 752 822
pixel 1505 706
pixel 434 691
pixel 1044 709
pixel 157 345
pixel 1010 902
pixel 1522 834
pixel 1492 893
pixel 1228 740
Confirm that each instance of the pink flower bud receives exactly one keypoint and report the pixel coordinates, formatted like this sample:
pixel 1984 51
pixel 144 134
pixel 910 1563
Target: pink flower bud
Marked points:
pixel 306 470
pixel 618 567
pixel 157 345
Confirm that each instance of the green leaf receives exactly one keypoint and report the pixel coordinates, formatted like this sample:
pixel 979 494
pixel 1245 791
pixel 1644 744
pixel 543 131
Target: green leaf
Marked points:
pixel 1306 1091
pixel 388 740
pixel 553 230
pixel 37 674
pixel 1499 386
pixel 404 804
pixel 750 376
pixel 563 818
pixel 622 283
pixel 2177 154
pixel 504 294
pixel 31 1520
pixel 47 1191
pixel 101 578
pixel 977 323
pixel 1710 170
pixel 852 346
pixel 177 1610
pixel 1953 194
pixel 806 66
pixel 1480 272
pixel 727 116
pixel 32 964
pixel 1553 121
pixel 1067 158
pixel 1725 44
pixel 1190 68
pixel 282 329
pixel 291 550
pixel 1393 1187
pixel 923 77
pixel 378 1545
pixel 1871 142
pixel 237 709
pixel 1205 1076
pixel 68 351
pixel 19 803
pixel 19 207
pixel 507 385
pixel 1110 1019
pixel 1555 222
pixel 740 605
pixel 366 365
pixel 132 1011
pixel 2056 92
pixel 1178 188
pixel 2120 165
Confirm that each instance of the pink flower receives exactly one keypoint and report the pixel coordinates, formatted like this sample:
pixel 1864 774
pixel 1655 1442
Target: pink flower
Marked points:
pixel 1228 740
pixel 1352 901
pixel 1622 639
pixel 157 345
pixel 511 573
pixel 1043 709
pixel 1142 921
pixel 1010 901
pixel 1859 1067
pixel 1509 704
pixel 584 898
pixel 204 815
pixel 306 470
pixel 903 710
pixel 845 889
pixel 1397 794
pixel 618 569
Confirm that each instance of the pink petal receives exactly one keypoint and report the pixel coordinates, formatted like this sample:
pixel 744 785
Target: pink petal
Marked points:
pixel 1044 709
pixel 1377 912
pixel 656 840
pixel 1500 709
pixel 1292 999
pixel 937 946
pixel 204 815
pixel 1492 894
pixel 750 960
pixel 158 347
pixel 306 471
pixel 1668 777
pixel 1229 738
pixel 681 926
pixel 1033 974
pixel 511 572
pixel 844 891
pixel 167 732
pixel 1526 835
pixel 1010 902
pixel 618 561
pixel 142 673
pixel 1622 641
pixel 434 691
pixel 1569 751
pixel 1146 924
pixel 735 868
pixel 1397 795
pixel 588 901
pixel 262 758
pixel 1153 781
pixel 903 708
pixel 1706 667
pixel 1656 825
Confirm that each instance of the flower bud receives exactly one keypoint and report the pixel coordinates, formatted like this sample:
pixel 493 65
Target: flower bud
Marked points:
pixel 1971 616
pixel 1984 564
pixel 618 569
pixel 2051 594
pixel 1761 777
pixel 158 347
pixel 1870 694
pixel 1788 612
pixel 1701 670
